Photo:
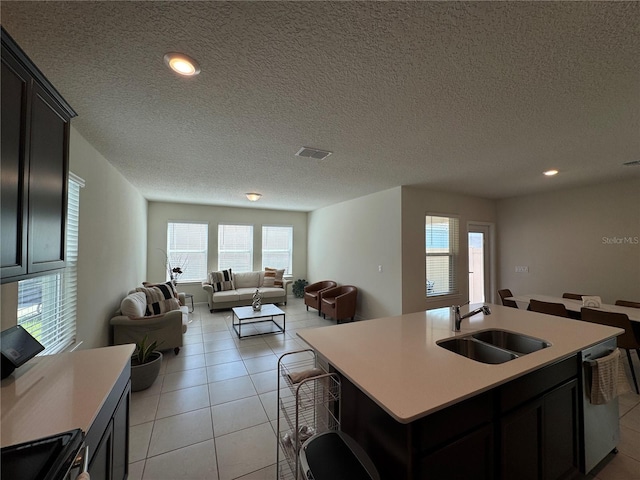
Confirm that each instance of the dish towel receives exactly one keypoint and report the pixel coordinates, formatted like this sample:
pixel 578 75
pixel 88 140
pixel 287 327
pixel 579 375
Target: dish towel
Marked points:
pixel 608 378
pixel 297 377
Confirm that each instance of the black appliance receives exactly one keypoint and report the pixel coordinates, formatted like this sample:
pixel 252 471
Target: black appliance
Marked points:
pixel 49 458
pixel 17 347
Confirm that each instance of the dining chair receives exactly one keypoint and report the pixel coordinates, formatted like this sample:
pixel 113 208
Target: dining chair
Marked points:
pixel 627 303
pixel 550 308
pixel 572 296
pixel 503 294
pixel 627 341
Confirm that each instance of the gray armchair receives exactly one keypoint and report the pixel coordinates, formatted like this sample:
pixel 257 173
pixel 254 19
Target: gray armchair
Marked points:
pixel 130 325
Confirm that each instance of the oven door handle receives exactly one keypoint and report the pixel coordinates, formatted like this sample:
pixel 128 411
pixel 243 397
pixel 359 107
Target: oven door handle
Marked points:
pixel 82 460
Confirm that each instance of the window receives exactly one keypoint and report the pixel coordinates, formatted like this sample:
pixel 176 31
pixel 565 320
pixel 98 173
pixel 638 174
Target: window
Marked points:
pixel 187 249
pixel 47 304
pixel 235 247
pixel 441 234
pixel 277 247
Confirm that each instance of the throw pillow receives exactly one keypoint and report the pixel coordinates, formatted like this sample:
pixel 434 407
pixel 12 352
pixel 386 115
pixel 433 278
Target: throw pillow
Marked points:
pixel 277 276
pixel 160 299
pixel 222 281
pixel 167 287
pixel 269 277
pixel 134 305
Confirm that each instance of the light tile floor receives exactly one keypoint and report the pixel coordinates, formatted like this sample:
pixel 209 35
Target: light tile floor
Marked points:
pixel 211 412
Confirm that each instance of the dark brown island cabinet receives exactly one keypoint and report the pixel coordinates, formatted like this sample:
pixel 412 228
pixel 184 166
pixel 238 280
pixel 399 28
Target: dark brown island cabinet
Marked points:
pixel 525 429
pixel 34 167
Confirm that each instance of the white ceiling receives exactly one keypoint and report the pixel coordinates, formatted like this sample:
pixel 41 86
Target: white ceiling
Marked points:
pixel 476 97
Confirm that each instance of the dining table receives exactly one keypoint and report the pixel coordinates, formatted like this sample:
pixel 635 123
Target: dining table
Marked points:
pixel 575 305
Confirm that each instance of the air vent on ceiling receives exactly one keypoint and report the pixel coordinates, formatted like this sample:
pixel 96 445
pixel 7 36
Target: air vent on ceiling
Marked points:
pixel 633 163
pixel 313 153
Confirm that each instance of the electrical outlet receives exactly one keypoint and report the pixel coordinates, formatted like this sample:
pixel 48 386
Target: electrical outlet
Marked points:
pixel 522 269
pixel 379 268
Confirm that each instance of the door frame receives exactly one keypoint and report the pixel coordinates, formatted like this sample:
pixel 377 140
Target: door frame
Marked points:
pixel 489 251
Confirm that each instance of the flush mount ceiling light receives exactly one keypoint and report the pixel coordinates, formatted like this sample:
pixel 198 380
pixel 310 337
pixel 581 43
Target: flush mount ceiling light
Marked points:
pixel 182 64
pixel 253 197
pixel 550 173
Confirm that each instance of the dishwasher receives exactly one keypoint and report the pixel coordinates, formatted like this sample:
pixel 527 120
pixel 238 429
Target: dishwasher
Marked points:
pixel 600 423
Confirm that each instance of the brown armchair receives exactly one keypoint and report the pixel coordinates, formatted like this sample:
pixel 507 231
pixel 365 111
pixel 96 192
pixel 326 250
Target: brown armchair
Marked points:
pixel 339 302
pixel 313 293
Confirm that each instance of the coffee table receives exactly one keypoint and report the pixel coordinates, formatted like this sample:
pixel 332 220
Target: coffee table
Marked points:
pixel 267 314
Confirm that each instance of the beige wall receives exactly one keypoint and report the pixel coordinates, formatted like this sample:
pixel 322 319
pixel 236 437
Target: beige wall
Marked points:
pixel 567 239
pixel 348 241
pixel 161 213
pixel 112 245
pixel 416 203
pixel 112 235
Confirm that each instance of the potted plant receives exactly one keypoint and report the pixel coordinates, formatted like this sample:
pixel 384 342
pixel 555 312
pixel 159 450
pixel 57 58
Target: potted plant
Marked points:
pixel 298 287
pixel 145 364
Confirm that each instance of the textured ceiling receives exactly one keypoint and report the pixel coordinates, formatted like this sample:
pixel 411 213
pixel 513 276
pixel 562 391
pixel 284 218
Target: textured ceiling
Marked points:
pixel 475 97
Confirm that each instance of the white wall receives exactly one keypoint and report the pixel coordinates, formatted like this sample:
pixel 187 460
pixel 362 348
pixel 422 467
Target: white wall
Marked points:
pixel 112 235
pixel 563 238
pixel 112 245
pixel 160 213
pixel 416 203
pixel 348 241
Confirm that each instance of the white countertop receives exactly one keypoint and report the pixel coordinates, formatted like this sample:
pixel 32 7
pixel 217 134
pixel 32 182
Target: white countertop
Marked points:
pixel 56 393
pixel 396 361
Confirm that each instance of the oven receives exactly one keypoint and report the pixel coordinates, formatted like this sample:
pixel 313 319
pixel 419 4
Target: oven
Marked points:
pixel 58 457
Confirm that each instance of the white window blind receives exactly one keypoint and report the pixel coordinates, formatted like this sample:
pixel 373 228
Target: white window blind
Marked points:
pixel 235 247
pixel 187 245
pixel 442 238
pixel 47 304
pixel 277 247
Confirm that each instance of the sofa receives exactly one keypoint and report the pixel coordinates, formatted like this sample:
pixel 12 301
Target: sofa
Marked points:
pixel 230 289
pixel 165 323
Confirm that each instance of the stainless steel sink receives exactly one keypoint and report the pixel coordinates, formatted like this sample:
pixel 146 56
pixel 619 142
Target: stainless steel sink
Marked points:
pixel 493 346
pixel 514 342
pixel 476 350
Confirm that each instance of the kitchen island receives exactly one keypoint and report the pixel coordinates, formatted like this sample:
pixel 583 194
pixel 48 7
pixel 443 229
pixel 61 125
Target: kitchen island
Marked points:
pixel 86 389
pixel 421 411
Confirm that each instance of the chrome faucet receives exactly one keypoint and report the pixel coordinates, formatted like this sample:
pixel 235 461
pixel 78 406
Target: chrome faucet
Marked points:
pixel 458 318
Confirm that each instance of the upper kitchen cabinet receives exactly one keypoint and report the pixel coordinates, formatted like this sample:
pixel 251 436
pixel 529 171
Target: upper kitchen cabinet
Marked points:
pixel 34 168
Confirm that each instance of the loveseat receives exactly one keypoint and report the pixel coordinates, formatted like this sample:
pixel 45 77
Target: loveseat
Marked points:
pixel 226 289
pixel 164 321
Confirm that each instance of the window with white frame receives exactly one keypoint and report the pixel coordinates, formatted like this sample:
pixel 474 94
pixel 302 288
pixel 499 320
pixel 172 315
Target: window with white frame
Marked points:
pixel 441 235
pixel 235 247
pixel 187 246
pixel 277 247
pixel 47 303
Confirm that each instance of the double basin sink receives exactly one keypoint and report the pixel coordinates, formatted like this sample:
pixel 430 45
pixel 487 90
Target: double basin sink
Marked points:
pixel 493 346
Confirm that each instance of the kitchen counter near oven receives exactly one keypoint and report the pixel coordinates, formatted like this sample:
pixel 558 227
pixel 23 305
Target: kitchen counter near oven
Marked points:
pixel 58 393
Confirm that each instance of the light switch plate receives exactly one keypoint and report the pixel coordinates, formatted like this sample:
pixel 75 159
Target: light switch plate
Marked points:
pixel 522 269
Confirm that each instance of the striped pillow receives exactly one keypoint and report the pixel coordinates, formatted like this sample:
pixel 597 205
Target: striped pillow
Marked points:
pixel 167 287
pixel 273 277
pixel 160 299
pixel 222 281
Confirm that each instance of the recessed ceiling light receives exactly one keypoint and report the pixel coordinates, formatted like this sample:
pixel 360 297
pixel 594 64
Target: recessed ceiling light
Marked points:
pixel 182 64
pixel 550 173
pixel 253 197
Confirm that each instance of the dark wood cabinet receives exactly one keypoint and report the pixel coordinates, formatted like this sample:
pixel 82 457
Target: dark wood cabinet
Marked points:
pixel 540 439
pixel 108 437
pixel 34 165
pixel 525 429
